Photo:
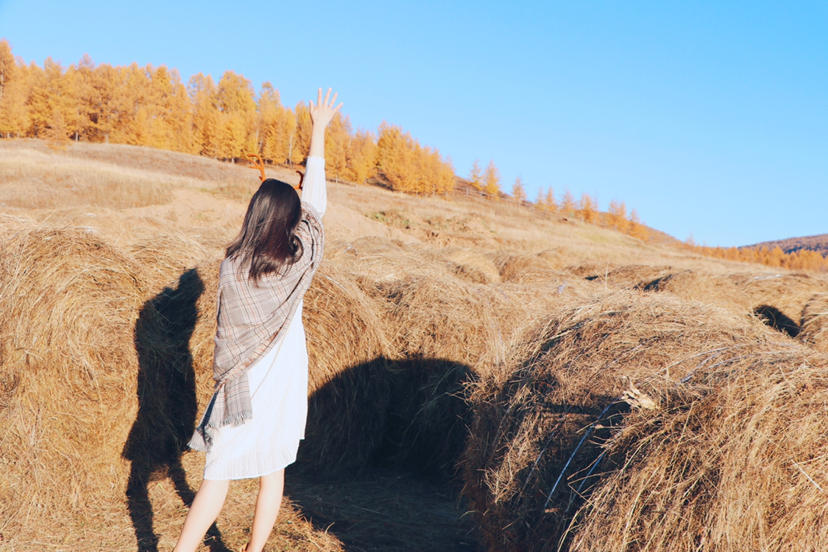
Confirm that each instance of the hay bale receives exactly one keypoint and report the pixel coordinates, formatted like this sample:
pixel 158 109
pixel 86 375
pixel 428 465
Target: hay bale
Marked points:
pixel 623 277
pixel 102 373
pixel 775 297
pixel 432 317
pixel 427 418
pixel 738 463
pixel 540 420
pixel 348 377
pixel 378 259
pixel 814 329
pixel 68 302
pixel 525 268
pixel 166 256
pixel 470 265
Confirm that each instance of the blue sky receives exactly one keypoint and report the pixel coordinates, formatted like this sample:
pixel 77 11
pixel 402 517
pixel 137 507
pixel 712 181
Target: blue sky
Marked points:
pixel 709 118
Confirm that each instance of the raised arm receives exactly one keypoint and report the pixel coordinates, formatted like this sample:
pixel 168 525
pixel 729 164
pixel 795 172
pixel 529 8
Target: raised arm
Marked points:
pixel 314 190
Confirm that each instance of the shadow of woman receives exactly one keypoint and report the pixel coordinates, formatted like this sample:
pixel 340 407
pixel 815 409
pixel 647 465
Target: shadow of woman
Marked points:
pixel 386 479
pixel 166 404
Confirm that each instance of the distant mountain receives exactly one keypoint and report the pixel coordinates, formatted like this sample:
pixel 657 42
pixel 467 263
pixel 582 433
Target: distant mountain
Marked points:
pixel 814 243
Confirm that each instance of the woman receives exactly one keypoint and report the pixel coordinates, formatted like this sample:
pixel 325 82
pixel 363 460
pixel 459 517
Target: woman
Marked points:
pixel 256 418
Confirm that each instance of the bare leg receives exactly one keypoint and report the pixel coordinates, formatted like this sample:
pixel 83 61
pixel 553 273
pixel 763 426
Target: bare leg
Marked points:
pixel 205 509
pixel 271 487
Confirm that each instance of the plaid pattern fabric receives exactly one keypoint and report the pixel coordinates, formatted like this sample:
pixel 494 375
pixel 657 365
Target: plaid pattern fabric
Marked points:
pixel 252 319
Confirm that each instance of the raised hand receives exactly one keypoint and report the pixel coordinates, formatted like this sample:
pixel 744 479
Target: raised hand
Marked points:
pixel 323 111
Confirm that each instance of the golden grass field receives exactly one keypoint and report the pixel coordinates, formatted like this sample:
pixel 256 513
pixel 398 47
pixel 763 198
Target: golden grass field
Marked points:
pixel 482 376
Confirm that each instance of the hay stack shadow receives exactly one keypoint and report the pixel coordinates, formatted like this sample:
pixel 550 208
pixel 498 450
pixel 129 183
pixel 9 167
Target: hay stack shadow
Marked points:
pixel 166 404
pixel 396 491
pixel 777 320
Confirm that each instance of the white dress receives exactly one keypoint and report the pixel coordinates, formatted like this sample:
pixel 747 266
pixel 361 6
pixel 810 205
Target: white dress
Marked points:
pixel 278 389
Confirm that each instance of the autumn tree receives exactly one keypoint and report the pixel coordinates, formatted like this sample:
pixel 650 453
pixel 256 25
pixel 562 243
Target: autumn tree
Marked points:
pixel 270 131
pixel 637 230
pixel 361 157
pixel 492 181
pixel 518 192
pixel 300 139
pixel 568 203
pixel 337 137
pixel 237 116
pixel 14 118
pixel 550 202
pixel 205 115
pixel 395 157
pixel 618 215
pixel 476 176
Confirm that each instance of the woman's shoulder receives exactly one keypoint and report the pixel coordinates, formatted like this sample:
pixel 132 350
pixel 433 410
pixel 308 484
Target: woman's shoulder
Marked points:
pixel 310 213
pixel 230 271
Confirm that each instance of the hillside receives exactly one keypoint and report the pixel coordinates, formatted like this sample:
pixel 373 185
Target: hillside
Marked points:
pixel 818 243
pixel 483 376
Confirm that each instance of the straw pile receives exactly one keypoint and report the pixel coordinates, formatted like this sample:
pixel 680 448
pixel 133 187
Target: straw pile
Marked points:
pixel 469 264
pixel 68 303
pixel 552 425
pixel 523 268
pixel 814 330
pixel 777 298
pixel 348 378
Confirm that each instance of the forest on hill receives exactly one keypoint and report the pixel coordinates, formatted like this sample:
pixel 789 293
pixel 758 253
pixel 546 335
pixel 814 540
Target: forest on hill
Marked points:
pixel 151 106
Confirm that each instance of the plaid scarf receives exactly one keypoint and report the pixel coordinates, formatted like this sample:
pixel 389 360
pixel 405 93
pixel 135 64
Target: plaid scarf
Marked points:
pixel 252 319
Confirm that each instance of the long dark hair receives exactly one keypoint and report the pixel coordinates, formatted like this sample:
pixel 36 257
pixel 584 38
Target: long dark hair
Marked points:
pixel 267 242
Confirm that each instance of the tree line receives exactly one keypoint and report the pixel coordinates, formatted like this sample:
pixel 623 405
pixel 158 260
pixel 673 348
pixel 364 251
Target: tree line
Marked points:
pixel 226 120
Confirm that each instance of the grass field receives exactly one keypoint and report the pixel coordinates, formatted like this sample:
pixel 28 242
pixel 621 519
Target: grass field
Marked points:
pixel 482 376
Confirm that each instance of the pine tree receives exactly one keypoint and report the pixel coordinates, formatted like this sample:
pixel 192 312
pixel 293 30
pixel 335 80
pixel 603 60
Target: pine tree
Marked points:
pixel 618 215
pixel 518 192
pixel 237 107
pixel 587 209
pixel 337 138
pixel 14 118
pixel 568 203
pixel 550 202
pixel 205 115
pixel 476 176
pixel 268 124
pixel 300 145
pixel 492 181
pixel 637 230
pixel 361 158
pixel 395 158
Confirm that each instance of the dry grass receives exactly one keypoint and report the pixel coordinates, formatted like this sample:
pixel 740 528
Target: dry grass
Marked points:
pixel 36 180
pixel 551 427
pixel 814 330
pixel 107 317
pixel 68 304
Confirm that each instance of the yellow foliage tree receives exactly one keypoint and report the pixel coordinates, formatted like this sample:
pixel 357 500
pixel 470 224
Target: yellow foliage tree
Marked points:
pixel 395 158
pixel 14 118
pixel 618 215
pixel 492 181
pixel 337 139
pixel 568 203
pixel 550 202
pixel 587 209
pixel 237 107
pixel 361 158
pixel 269 127
pixel 300 138
pixel 476 176
pixel 205 115
pixel 638 230
pixel 518 192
